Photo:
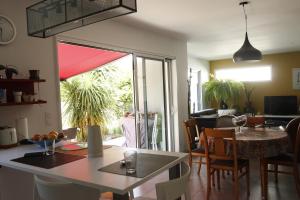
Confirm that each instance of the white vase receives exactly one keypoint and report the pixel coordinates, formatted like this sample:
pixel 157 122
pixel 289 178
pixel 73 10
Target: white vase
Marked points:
pixel 95 146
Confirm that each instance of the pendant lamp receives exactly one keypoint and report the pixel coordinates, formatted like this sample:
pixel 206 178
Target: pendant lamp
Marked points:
pixel 247 52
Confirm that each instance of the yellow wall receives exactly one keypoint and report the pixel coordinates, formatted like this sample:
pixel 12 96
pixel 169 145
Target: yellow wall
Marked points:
pixel 281 84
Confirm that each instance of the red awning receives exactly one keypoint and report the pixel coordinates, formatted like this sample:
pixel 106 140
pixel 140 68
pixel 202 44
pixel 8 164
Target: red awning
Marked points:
pixel 75 59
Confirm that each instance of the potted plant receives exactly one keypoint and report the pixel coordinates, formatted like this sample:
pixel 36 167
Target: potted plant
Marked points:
pixel 223 92
pixel 9 71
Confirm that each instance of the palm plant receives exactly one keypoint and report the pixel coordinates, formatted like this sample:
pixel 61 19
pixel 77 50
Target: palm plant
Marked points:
pixel 223 91
pixel 87 101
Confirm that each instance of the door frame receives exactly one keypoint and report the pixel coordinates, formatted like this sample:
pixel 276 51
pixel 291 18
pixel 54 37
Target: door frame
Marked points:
pixel 135 53
pixel 165 93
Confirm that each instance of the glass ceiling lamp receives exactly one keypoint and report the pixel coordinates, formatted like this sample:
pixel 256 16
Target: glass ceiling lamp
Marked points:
pixel 247 52
pixel 50 17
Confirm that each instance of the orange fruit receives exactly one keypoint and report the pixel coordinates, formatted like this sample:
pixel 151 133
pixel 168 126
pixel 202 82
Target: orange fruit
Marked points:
pixel 54 133
pixel 61 135
pixel 52 136
pixel 45 137
pixel 36 137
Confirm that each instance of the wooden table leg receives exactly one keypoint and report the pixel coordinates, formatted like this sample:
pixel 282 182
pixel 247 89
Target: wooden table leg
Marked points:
pixel 261 170
pixel 264 196
pixel 174 172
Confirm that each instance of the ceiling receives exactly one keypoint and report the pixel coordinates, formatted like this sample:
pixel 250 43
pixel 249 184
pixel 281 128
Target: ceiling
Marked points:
pixel 215 29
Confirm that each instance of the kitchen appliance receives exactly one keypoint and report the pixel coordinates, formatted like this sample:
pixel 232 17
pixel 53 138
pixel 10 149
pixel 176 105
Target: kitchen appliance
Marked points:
pixel 8 137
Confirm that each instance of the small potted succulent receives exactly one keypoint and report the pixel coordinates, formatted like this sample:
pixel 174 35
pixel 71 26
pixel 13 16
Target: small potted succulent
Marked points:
pixel 9 71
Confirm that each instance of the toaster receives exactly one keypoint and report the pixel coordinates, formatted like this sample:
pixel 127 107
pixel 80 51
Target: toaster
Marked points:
pixel 8 137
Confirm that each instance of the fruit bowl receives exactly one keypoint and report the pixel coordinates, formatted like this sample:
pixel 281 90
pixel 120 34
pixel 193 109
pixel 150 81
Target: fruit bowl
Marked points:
pixel 47 142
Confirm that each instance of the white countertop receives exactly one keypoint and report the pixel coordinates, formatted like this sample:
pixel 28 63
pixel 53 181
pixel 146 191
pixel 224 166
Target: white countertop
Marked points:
pixel 85 171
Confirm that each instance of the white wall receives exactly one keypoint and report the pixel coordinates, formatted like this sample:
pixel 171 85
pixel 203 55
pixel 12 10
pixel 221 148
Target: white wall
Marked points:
pixel 203 66
pixel 27 52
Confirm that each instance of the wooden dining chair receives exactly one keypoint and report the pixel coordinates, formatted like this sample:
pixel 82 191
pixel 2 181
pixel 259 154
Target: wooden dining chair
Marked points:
pixel 195 148
pixel 224 121
pixel 173 189
pixel 291 129
pixel 53 189
pixel 221 154
pixel 255 121
pixel 288 160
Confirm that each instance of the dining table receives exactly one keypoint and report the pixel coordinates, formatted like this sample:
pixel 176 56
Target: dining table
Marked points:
pixel 259 143
pixel 103 173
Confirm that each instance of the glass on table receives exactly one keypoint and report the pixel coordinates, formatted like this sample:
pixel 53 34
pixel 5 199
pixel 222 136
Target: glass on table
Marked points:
pixel 47 150
pixel 130 158
pixel 240 121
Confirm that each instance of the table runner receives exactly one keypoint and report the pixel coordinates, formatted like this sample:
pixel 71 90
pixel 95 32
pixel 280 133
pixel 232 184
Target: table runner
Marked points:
pixel 48 162
pixel 146 164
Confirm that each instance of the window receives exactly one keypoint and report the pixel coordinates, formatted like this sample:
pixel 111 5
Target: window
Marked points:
pixel 195 90
pixel 250 74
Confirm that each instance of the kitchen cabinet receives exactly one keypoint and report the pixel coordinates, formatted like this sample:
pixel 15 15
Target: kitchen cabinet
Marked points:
pixel 27 86
pixel 16 185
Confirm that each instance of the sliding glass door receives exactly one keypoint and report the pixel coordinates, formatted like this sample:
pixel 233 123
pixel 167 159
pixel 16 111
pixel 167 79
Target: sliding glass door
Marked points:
pixel 138 109
pixel 151 104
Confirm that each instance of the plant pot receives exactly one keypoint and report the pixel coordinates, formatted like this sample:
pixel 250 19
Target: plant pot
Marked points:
pixel 34 74
pixel 223 105
pixel 249 108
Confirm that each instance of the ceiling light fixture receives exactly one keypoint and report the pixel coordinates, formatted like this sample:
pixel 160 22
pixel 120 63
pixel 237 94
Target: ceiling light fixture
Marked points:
pixel 74 3
pixel 44 11
pixel 247 52
pixel 87 12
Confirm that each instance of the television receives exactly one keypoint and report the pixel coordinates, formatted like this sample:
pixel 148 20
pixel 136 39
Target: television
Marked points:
pixel 281 105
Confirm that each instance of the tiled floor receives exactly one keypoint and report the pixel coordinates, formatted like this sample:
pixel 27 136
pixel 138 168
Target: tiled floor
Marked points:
pixel 285 190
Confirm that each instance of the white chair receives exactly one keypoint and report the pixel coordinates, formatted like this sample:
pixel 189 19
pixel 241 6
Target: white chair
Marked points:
pixel 175 188
pixel 52 189
pixel 70 133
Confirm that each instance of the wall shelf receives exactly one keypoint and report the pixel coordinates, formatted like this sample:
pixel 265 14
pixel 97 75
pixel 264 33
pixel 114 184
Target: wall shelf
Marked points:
pixel 21 80
pixel 23 103
pixel 24 85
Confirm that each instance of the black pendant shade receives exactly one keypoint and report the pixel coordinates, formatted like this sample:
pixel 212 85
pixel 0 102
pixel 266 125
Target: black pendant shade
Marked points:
pixel 50 17
pixel 247 52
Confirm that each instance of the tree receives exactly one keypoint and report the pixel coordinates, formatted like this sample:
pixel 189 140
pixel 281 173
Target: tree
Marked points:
pixel 87 100
pixel 124 98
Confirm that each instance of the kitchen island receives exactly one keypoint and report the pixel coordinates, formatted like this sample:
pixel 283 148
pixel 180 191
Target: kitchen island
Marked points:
pixel 16 181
